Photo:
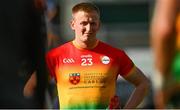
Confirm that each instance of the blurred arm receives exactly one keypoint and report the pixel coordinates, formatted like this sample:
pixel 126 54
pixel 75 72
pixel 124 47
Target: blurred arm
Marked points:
pixel 30 86
pixel 162 34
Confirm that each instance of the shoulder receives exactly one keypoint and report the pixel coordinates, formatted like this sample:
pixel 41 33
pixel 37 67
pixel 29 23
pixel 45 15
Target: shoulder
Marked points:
pixel 58 50
pixel 107 47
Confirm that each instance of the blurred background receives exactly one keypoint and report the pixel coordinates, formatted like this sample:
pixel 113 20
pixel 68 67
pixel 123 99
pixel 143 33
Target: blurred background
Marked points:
pixel 125 25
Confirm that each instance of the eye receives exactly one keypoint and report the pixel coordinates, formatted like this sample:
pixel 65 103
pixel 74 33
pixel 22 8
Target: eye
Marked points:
pixel 93 23
pixel 83 23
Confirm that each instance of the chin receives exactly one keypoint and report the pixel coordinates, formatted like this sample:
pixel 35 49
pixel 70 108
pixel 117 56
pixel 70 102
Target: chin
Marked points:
pixel 85 39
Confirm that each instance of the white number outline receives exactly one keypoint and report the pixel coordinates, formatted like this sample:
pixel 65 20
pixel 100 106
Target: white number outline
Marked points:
pixel 86 62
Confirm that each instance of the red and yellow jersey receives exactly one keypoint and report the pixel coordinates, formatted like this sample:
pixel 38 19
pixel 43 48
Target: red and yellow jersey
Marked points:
pixel 87 78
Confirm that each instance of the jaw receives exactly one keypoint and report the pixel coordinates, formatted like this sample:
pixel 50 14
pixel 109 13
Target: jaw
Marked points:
pixel 88 38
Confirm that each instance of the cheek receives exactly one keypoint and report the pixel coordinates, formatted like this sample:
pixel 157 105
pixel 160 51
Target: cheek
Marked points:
pixel 95 29
pixel 79 29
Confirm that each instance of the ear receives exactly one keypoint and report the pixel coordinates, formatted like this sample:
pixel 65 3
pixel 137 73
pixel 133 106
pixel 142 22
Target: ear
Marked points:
pixel 72 24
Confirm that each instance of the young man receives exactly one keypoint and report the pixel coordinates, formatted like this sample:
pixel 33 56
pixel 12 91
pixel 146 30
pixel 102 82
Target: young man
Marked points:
pixel 163 38
pixel 86 69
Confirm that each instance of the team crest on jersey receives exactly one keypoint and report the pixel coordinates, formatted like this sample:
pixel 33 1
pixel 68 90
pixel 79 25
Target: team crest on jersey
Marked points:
pixel 74 78
pixel 105 60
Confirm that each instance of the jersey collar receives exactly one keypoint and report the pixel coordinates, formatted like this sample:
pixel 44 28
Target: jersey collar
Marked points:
pixel 77 46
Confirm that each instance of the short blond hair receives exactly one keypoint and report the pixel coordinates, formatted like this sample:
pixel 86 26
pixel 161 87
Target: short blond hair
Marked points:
pixel 86 7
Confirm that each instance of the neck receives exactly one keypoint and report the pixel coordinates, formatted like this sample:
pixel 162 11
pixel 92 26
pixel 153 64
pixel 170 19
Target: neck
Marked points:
pixel 86 45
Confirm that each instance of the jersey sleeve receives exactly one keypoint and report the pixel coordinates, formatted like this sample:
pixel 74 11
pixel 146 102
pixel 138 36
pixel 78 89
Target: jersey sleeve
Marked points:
pixel 50 64
pixel 125 64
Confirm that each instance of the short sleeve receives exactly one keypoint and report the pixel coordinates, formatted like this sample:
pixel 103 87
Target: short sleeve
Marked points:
pixel 125 64
pixel 50 64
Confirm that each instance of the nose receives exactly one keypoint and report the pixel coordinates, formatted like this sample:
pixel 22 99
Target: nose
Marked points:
pixel 88 27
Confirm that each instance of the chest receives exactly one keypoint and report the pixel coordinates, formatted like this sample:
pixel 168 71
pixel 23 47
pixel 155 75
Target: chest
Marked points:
pixel 89 67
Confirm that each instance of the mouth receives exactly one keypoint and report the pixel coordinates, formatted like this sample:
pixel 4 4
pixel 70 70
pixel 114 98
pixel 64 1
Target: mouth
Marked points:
pixel 88 33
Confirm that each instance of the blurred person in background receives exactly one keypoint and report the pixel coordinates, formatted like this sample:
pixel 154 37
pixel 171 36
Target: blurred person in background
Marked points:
pixel 53 39
pixel 165 39
pixel 86 69
pixel 53 23
pixel 22 46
